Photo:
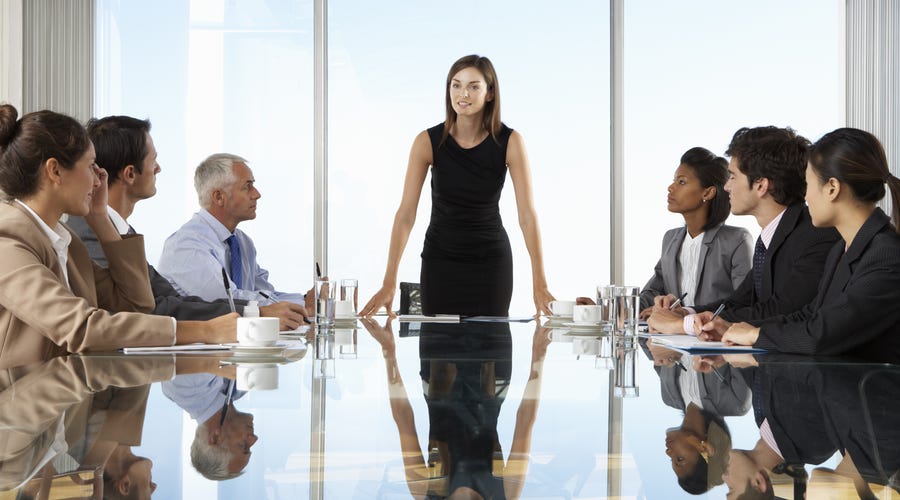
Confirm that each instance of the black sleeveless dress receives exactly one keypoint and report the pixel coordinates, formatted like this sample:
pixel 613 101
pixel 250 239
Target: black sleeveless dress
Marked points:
pixel 466 259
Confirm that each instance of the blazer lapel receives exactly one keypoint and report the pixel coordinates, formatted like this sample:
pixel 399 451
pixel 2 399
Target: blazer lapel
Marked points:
pixel 708 238
pixel 843 269
pixel 787 224
pixel 670 260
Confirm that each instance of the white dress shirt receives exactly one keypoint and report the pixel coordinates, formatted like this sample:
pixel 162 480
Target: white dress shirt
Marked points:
pixel 688 259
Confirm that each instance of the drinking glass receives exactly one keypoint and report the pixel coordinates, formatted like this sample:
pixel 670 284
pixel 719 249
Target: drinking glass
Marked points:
pixel 349 291
pixel 324 302
pixel 626 384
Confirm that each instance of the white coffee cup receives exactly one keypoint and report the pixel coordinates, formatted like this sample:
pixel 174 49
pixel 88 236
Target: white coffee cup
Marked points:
pixel 343 309
pixel 258 332
pixel 586 315
pixel 562 307
pixel 257 377
pixel 583 345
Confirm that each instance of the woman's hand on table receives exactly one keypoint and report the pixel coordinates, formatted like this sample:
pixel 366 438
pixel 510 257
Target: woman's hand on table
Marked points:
pixel 542 299
pixel 384 297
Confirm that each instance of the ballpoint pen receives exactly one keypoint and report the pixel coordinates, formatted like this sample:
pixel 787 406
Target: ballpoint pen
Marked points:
pixel 318 271
pixel 228 397
pixel 677 301
pixel 228 291
pixel 718 311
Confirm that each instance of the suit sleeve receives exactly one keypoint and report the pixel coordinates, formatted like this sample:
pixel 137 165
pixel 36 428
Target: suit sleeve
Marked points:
pixel 170 303
pixel 742 259
pixel 866 309
pixel 655 286
pixel 31 292
pixel 84 232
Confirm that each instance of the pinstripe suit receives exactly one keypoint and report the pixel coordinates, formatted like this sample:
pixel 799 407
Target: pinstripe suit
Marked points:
pixel 857 308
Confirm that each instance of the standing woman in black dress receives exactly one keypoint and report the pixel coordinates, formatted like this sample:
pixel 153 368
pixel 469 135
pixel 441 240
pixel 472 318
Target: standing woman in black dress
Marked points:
pixel 466 259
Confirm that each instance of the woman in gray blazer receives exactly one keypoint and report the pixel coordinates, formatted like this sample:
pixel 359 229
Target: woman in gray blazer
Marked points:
pixel 704 259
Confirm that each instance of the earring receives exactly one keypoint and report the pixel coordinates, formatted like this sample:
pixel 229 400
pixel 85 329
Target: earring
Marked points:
pixel 703 200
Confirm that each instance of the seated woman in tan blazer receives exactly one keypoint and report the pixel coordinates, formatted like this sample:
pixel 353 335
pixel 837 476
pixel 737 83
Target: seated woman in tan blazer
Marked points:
pixel 53 299
pixel 704 260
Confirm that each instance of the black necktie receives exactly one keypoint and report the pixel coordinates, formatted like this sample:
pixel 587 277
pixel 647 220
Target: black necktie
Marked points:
pixel 759 264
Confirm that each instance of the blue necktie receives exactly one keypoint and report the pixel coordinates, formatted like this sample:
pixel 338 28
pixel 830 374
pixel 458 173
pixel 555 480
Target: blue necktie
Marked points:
pixel 235 247
pixel 759 264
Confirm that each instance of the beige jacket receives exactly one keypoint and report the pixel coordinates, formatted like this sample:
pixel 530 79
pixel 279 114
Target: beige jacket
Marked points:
pixel 41 318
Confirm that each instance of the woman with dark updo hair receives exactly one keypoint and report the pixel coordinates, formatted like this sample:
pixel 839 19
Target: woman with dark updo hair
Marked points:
pixel 855 311
pixel 53 299
pixel 704 259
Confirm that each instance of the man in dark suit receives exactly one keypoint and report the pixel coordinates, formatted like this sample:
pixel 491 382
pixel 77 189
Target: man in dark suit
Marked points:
pixel 767 180
pixel 126 151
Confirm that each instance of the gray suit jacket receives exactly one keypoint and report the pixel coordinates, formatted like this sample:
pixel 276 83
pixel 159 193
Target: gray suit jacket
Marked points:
pixel 168 301
pixel 725 258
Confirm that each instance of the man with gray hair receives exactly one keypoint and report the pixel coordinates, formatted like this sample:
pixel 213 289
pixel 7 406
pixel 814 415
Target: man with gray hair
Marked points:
pixel 194 257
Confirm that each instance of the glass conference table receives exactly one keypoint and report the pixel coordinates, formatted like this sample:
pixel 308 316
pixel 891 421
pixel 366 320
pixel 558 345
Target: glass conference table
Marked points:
pixel 495 410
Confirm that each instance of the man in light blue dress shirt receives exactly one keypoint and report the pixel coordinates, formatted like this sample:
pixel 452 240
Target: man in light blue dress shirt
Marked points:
pixel 195 255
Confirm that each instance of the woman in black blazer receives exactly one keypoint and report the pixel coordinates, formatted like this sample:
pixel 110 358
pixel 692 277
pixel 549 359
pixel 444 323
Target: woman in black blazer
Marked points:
pixel 857 309
pixel 724 254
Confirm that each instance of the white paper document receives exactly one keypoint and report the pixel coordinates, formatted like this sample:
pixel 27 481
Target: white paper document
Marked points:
pixel 174 348
pixel 693 344
pixel 421 318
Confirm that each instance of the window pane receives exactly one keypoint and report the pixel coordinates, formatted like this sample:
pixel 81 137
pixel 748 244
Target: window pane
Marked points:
pixel 387 85
pixel 698 71
pixel 219 76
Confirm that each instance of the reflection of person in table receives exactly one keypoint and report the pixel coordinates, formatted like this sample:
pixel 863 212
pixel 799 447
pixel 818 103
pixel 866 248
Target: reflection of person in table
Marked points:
pixel 705 258
pixel 464 398
pixel 466 259
pixel 221 448
pixel 76 415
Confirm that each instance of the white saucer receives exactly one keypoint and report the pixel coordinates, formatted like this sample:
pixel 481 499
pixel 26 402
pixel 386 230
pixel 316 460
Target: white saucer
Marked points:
pixel 559 317
pixel 270 350
pixel 350 320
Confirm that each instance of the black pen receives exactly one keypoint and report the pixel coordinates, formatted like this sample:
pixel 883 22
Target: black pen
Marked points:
pixel 318 271
pixel 718 311
pixel 228 290
pixel 265 295
pixel 677 301
pixel 228 396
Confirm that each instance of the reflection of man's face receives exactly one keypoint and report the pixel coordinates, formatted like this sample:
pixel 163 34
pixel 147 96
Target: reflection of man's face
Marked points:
pixel 139 474
pixel 742 473
pixel 237 432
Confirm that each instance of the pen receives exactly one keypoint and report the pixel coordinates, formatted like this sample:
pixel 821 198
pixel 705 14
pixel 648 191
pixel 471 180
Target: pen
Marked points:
pixel 718 311
pixel 228 397
pixel 228 290
pixel 318 270
pixel 677 301
pixel 265 295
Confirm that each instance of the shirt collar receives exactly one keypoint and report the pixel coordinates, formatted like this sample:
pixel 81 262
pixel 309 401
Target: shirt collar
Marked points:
pixel 218 228
pixel 59 237
pixel 121 225
pixel 768 232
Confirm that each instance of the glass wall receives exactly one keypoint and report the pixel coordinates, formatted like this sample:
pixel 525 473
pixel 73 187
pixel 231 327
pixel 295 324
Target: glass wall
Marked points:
pixel 695 73
pixel 698 71
pixel 388 64
pixel 218 76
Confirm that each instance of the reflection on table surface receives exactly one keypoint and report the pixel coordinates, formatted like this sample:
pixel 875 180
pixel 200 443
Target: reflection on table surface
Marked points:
pixel 430 410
